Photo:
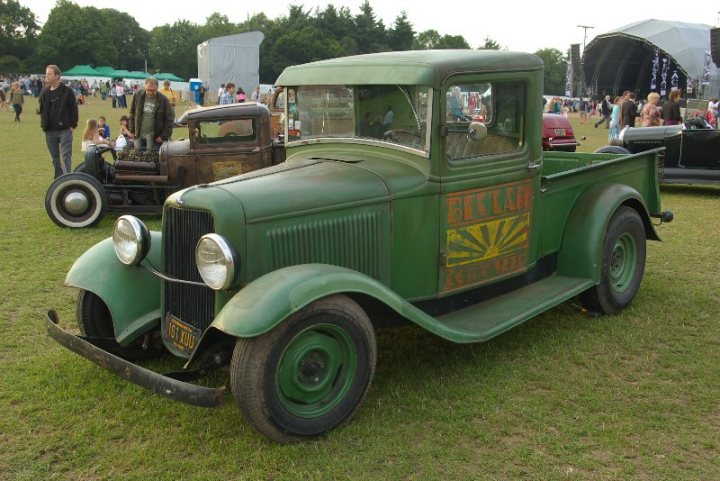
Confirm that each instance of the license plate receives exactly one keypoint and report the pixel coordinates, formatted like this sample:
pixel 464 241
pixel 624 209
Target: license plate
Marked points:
pixel 180 335
pixel 559 131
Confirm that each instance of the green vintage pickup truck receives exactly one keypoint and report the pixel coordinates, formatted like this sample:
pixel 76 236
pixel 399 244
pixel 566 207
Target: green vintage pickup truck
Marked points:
pixel 415 191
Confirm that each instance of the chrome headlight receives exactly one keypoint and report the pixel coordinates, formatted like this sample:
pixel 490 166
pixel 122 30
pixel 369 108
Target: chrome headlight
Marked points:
pixel 215 258
pixel 131 240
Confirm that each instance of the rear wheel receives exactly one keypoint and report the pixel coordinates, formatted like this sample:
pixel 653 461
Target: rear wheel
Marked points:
pixel 310 374
pixel 622 264
pixel 76 200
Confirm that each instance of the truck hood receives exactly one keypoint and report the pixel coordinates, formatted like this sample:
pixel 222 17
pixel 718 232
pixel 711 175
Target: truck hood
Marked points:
pixel 304 186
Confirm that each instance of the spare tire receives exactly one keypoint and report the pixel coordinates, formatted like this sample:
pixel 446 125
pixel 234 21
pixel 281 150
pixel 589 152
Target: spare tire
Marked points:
pixel 76 200
pixel 612 149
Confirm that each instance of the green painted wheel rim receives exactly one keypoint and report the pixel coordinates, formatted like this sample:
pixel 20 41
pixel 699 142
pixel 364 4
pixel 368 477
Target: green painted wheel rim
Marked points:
pixel 622 262
pixel 316 370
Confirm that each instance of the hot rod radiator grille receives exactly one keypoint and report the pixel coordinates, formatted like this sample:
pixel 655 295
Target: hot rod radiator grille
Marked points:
pixel 351 241
pixel 182 229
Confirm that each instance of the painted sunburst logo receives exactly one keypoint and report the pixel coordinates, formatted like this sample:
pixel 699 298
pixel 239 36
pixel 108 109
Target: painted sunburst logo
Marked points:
pixel 481 242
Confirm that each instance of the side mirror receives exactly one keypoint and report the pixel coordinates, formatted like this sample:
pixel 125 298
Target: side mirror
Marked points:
pixel 477 131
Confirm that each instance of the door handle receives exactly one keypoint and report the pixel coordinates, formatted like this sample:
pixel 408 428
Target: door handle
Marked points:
pixel 535 165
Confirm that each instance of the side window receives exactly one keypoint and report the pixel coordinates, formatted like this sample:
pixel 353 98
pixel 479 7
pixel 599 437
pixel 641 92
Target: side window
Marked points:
pixel 493 110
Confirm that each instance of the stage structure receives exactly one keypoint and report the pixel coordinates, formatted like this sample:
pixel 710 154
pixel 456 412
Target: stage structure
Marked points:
pixel 233 58
pixel 652 56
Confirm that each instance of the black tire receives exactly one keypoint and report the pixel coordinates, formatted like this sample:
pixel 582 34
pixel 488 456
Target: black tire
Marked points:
pixel 80 168
pixel 94 320
pixel 622 264
pixel 93 316
pixel 325 353
pixel 76 200
pixel 612 149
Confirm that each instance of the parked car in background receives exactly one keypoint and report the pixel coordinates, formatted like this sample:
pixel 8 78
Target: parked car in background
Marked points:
pixel 222 141
pixel 557 133
pixel 692 150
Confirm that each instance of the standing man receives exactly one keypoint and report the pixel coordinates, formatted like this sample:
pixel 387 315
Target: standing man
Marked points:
pixel 628 111
pixel 58 117
pixel 151 116
pixel 605 110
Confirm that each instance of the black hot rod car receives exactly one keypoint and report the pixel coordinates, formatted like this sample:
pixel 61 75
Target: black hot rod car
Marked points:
pixel 692 150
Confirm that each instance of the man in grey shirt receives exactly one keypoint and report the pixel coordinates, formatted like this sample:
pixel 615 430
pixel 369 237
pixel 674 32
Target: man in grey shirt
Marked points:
pixel 151 117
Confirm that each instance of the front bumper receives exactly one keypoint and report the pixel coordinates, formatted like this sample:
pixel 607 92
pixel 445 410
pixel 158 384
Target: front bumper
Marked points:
pixel 155 382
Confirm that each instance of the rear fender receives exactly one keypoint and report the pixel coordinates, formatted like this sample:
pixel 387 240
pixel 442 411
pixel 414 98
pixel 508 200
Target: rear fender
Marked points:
pixel 131 293
pixel 581 248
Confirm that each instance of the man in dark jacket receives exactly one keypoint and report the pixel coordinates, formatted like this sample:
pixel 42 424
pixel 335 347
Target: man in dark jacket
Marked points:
pixel 605 110
pixel 151 117
pixel 58 117
pixel 628 111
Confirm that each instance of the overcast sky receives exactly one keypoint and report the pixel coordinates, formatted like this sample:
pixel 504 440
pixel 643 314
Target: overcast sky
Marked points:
pixel 525 25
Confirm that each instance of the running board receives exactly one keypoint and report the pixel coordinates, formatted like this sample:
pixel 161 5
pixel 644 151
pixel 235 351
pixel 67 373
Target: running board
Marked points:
pixel 487 319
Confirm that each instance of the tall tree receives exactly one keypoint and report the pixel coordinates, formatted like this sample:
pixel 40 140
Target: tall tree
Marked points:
pixel 217 25
pixel 370 33
pixel 173 48
pixel 431 39
pixel 402 35
pixel 129 41
pixel 555 67
pixel 339 25
pixel 73 35
pixel 490 44
pixel 18 29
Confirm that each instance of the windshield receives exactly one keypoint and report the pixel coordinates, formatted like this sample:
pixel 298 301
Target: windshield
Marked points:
pixel 394 114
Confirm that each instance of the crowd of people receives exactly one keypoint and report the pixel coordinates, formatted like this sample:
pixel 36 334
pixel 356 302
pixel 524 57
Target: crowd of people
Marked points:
pixel 230 93
pixel 152 110
pixel 149 125
pixel 626 111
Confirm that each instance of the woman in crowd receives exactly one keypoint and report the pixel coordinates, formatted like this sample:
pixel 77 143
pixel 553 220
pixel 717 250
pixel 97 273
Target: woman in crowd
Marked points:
pixel 90 136
pixel 671 109
pixel 650 114
pixel 17 100
pixel 614 129
pixel 125 132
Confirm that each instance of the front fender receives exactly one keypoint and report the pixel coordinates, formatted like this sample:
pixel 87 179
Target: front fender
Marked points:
pixel 270 299
pixel 581 248
pixel 131 293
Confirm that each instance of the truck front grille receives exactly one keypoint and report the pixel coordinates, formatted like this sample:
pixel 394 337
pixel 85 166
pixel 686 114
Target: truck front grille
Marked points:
pixel 182 229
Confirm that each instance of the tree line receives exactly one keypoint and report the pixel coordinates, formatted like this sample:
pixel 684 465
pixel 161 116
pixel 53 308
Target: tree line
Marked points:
pixel 87 35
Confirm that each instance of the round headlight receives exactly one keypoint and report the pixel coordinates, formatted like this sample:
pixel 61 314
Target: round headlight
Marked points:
pixel 131 240
pixel 215 259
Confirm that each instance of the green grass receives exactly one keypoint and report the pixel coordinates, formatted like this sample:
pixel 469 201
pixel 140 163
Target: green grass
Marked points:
pixel 563 397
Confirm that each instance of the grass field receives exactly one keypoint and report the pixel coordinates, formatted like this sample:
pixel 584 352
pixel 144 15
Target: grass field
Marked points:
pixel 563 397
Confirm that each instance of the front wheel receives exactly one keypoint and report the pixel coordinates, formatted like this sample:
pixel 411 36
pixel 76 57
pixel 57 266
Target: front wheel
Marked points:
pixel 76 200
pixel 95 321
pixel 622 264
pixel 308 375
